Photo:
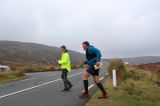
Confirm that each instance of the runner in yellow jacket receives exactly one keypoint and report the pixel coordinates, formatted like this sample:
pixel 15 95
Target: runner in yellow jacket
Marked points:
pixel 65 67
pixel 65 61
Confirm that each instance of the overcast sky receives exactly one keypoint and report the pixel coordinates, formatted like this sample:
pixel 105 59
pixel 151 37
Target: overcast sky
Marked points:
pixel 119 28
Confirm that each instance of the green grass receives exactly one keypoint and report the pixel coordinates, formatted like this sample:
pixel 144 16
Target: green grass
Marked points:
pixel 19 71
pixel 136 90
pixel 6 80
pixel 9 76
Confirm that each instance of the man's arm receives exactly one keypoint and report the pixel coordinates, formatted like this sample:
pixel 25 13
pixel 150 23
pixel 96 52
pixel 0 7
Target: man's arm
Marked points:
pixel 64 60
pixel 98 55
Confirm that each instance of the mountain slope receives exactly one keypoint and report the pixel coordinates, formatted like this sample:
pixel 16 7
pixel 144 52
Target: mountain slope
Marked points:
pixel 142 60
pixel 138 60
pixel 19 52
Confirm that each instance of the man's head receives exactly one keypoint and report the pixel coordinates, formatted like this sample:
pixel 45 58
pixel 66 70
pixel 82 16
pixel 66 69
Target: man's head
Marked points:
pixel 85 45
pixel 63 49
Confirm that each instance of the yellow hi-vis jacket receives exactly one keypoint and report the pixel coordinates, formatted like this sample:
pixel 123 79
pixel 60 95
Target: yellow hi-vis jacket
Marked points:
pixel 65 61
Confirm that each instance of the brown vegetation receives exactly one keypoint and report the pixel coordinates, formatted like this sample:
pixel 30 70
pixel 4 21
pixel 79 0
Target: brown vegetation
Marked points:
pixel 153 69
pixel 136 90
pixel 118 65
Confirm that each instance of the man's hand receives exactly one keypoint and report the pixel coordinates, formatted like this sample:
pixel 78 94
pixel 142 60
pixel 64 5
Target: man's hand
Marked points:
pixel 83 63
pixel 98 64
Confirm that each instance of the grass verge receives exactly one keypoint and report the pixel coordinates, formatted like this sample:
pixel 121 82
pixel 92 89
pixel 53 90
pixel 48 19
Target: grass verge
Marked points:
pixel 6 80
pixel 18 72
pixel 136 90
pixel 9 76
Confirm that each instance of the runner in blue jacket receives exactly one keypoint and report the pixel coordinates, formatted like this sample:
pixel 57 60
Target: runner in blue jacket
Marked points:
pixel 93 57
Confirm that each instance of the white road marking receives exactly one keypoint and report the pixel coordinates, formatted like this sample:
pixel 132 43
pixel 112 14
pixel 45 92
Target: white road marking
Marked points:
pixel 24 90
pixel 91 86
pixel 37 78
pixel 101 78
pixel 107 74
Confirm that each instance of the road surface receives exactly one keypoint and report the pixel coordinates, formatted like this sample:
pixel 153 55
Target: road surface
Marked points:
pixel 44 89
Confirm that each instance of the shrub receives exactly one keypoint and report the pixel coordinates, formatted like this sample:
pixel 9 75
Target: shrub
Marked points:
pixel 19 73
pixel 52 68
pixel 134 80
pixel 118 65
pixel 132 87
pixel 11 74
pixel 28 69
pixel 36 68
pixel 135 75
pixel 77 66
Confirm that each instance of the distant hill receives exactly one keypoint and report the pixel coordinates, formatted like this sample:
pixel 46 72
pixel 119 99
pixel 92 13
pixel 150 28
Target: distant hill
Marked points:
pixel 142 60
pixel 139 60
pixel 20 52
pixel 106 60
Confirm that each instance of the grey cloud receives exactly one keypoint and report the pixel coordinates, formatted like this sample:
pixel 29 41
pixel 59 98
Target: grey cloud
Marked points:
pixel 120 28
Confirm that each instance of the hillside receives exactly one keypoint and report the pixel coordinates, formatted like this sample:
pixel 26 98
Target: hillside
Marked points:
pixel 153 68
pixel 32 53
pixel 138 60
pixel 142 60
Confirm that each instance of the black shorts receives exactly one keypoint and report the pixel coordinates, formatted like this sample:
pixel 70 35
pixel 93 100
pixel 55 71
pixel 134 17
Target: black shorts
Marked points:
pixel 92 70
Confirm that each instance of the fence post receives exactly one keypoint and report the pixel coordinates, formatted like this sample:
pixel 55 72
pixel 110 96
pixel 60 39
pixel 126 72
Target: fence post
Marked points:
pixel 114 78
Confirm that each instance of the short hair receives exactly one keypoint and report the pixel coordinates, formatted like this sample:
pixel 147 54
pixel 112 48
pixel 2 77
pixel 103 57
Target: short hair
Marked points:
pixel 63 47
pixel 86 43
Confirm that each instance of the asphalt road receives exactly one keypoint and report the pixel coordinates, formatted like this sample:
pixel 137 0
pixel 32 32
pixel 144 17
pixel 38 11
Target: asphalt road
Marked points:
pixel 44 89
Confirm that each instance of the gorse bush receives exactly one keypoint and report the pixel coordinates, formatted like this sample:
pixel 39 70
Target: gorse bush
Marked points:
pixel 118 65
pixel 135 74
pixel 132 87
pixel 135 80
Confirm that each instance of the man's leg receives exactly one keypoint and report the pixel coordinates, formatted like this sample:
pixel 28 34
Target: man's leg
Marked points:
pixel 68 82
pixel 100 86
pixel 85 82
pixel 64 80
